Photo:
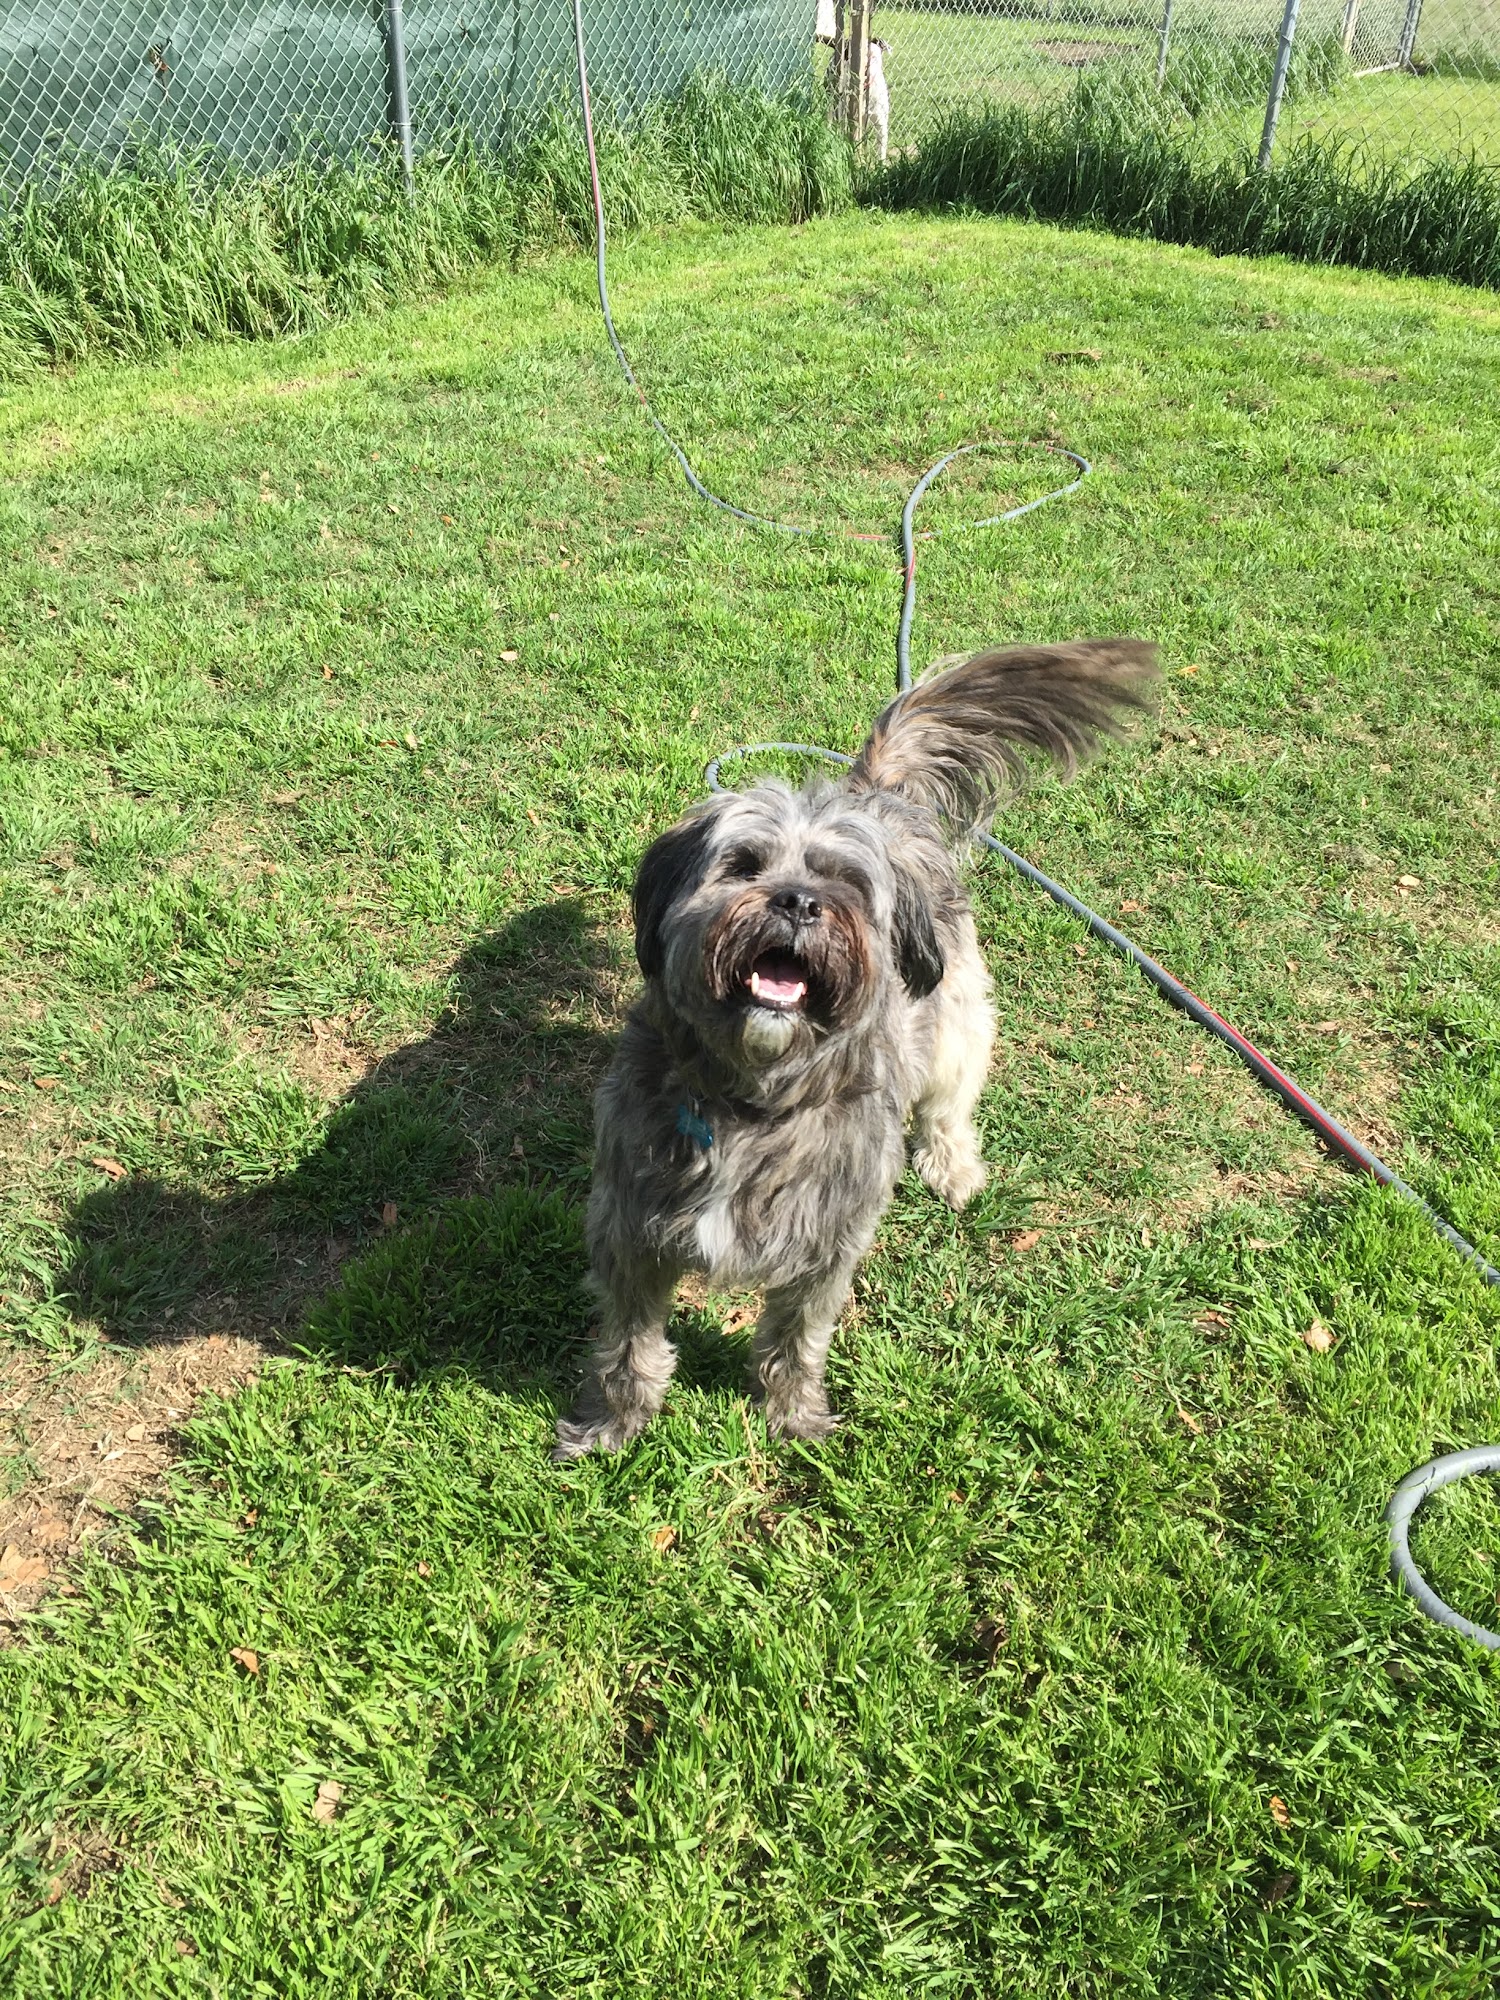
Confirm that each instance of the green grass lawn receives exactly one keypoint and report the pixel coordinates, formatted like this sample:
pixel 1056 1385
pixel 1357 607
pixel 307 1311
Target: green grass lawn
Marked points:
pixel 343 682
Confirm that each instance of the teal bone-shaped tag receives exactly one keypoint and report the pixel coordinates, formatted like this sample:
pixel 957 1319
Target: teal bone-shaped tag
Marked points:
pixel 691 1126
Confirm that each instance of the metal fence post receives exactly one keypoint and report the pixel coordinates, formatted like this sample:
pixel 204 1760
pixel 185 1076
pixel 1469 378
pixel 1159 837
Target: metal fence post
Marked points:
pixel 1162 45
pixel 395 79
pixel 1278 82
pixel 1408 44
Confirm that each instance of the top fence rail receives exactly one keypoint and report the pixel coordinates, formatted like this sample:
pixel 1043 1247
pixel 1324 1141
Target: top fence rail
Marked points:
pixel 261 82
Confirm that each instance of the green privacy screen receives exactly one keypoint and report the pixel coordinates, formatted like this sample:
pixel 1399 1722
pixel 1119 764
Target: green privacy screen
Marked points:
pixel 261 80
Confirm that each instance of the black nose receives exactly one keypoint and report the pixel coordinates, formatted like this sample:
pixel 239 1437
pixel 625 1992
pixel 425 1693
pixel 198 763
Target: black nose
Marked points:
pixel 798 904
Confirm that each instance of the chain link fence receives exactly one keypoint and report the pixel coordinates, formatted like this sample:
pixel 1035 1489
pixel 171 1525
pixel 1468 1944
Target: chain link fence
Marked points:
pixel 1418 79
pixel 262 81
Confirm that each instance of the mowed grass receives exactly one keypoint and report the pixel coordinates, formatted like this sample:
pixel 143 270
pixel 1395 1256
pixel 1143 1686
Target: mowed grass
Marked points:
pixel 344 682
pixel 1413 117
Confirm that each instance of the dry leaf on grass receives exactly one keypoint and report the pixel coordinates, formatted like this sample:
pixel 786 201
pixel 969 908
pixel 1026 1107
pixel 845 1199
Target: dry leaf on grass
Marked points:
pixel 663 1537
pixel 1318 1337
pixel 108 1167
pixel 1189 1421
pixel 1279 1811
pixel 326 1804
pixel 246 1657
pixel 510 655
pixel 16 1570
pixel 424 1569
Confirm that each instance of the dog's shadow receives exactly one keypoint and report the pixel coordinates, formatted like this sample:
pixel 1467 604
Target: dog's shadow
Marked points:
pixel 435 1219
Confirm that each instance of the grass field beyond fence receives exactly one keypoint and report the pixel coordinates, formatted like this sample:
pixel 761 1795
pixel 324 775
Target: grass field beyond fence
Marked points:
pixel 342 683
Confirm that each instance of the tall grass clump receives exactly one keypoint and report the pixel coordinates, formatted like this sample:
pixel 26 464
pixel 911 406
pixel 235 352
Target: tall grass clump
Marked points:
pixel 143 256
pixel 1326 200
pixel 1208 71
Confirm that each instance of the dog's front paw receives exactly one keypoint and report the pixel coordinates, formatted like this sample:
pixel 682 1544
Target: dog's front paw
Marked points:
pixel 955 1173
pixel 584 1431
pixel 801 1421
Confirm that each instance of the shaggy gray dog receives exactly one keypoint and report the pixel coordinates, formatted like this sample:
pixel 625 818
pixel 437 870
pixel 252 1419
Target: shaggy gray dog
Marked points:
pixel 813 985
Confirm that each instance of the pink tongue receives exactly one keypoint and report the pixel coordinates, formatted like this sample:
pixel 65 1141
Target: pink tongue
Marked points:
pixel 778 981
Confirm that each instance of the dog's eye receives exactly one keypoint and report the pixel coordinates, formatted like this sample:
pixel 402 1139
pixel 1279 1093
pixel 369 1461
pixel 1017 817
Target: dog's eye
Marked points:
pixel 744 864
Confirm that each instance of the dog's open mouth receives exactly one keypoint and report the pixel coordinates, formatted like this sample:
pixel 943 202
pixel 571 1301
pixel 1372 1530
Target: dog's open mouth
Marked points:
pixel 776 980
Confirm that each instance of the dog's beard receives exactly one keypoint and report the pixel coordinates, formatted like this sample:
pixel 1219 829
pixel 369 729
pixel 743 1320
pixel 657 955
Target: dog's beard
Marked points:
pixel 771 988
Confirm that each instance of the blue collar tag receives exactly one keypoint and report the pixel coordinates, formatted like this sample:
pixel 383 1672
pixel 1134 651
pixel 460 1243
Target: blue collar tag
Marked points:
pixel 691 1126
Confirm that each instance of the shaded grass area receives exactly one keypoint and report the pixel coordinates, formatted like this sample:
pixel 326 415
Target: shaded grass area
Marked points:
pixel 343 685
pixel 163 250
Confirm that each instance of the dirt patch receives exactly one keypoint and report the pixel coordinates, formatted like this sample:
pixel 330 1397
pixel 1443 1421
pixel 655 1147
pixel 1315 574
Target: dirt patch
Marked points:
pixel 326 1061
pixel 84 1444
pixel 74 1856
pixel 300 385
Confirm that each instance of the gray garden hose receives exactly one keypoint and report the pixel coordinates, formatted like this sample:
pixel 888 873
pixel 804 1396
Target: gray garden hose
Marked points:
pixel 1405 1501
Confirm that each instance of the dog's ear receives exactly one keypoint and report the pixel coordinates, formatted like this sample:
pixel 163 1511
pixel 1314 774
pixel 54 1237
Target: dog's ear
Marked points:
pixel 919 956
pixel 955 741
pixel 671 867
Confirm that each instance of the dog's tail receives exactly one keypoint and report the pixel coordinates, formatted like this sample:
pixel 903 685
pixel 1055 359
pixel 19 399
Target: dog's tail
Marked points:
pixel 955 741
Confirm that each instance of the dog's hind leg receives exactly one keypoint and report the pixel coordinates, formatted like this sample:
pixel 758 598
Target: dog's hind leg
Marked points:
pixel 946 1153
pixel 791 1350
pixel 630 1363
